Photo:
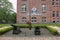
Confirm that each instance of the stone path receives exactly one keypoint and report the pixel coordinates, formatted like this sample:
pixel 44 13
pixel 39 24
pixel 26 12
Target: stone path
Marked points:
pixel 29 35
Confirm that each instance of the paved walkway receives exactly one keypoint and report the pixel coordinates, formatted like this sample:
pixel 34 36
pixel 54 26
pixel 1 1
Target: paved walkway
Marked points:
pixel 29 35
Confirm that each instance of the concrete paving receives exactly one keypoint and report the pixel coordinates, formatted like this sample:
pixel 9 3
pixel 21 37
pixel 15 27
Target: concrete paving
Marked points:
pixel 29 35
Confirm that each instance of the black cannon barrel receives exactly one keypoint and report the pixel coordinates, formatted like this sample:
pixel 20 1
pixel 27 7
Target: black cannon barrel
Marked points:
pixel 37 30
pixel 16 29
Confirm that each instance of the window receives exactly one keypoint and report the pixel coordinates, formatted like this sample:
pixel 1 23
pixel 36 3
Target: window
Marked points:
pixel 43 0
pixel 34 10
pixel 33 20
pixel 43 19
pixel 57 2
pixel 53 21
pixel 43 8
pixel 57 14
pixel 53 14
pixel 52 3
pixel 58 21
pixel 23 19
pixel 23 8
pixel 23 0
pixel 52 0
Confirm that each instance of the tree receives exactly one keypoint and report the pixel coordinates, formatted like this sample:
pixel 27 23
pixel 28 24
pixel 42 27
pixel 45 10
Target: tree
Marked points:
pixel 6 9
pixel 12 18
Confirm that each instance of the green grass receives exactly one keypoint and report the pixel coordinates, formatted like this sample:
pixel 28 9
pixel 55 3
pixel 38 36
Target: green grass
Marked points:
pixel 33 25
pixel 2 25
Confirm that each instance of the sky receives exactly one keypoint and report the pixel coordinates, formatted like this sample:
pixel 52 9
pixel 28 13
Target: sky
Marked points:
pixel 14 2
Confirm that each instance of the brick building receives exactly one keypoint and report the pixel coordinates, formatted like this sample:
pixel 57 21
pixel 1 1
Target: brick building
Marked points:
pixel 38 11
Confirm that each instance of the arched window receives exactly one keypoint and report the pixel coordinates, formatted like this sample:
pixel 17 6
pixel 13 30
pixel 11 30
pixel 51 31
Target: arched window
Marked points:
pixel 54 21
pixel 23 8
pixel 23 19
pixel 33 19
pixel 43 19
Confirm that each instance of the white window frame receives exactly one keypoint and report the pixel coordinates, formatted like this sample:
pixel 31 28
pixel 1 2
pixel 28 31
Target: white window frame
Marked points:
pixel 57 13
pixel 23 8
pixel 24 19
pixel 34 10
pixel 43 8
pixel 34 20
pixel 43 19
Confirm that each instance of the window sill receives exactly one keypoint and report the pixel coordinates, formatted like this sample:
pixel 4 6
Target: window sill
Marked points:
pixel 55 5
pixel 43 12
pixel 23 11
pixel 57 17
pixel 33 22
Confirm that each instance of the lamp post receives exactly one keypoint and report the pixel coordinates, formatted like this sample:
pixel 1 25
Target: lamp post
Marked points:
pixel 30 24
pixel 29 21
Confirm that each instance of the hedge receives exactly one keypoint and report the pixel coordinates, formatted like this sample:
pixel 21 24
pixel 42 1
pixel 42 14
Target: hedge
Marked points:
pixel 52 30
pixel 4 30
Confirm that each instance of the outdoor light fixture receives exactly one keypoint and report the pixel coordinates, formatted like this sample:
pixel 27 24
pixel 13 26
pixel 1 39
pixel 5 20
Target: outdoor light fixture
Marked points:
pixel 33 11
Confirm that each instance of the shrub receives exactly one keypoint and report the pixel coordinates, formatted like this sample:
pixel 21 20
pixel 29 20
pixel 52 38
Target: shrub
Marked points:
pixel 4 30
pixel 23 26
pixel 52 30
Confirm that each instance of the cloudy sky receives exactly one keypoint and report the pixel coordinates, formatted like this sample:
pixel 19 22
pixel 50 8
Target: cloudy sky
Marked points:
pixel 14 2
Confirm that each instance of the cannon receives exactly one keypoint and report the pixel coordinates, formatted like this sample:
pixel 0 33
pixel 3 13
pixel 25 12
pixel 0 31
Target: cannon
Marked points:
pixel 37 31
pixel 16 29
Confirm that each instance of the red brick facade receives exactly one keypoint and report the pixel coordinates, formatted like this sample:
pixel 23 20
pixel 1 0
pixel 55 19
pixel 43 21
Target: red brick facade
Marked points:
pixel 51 14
